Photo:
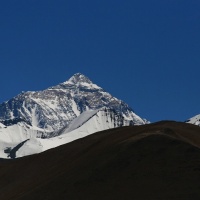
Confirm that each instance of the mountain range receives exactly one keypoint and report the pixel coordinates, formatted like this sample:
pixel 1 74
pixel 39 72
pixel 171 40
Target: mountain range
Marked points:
pixel 35 121
pixel 77 141
pixel 57 106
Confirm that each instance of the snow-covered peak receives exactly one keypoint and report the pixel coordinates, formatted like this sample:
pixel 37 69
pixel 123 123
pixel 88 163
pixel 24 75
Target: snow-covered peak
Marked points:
pixel 79 78
pixel 194 120
pixel 55 107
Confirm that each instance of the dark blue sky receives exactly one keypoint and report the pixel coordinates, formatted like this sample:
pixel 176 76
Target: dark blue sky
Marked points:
pixel 145 52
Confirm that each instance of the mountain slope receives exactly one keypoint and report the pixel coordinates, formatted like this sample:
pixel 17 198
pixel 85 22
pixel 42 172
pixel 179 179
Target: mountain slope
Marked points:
pixel 14 134
pixel 57 106
pixel 21 139
pixel 156 161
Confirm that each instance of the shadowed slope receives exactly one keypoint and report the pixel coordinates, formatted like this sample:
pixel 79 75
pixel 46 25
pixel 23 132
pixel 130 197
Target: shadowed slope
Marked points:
pixel 156 161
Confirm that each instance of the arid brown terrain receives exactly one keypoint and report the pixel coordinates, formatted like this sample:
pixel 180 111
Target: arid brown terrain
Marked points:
pixel 149 162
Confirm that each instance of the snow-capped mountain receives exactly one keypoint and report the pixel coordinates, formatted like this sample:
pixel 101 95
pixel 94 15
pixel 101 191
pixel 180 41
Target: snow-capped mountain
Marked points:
pixel 194 120
pixel 22 139
pixel 55 107
pixel 33 122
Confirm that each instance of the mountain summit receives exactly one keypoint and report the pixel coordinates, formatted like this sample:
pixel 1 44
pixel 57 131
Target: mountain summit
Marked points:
pixel 55 107
pixel 79 78
pixel 77 81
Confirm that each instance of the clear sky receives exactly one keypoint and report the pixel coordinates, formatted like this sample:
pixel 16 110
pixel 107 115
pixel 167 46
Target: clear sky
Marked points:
pixel 145 52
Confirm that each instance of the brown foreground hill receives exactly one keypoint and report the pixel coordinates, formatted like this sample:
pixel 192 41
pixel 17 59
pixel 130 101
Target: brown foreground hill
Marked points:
pixel 157 161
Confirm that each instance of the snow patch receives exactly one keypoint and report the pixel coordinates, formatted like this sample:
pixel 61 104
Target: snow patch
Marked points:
pixel 194 120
